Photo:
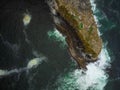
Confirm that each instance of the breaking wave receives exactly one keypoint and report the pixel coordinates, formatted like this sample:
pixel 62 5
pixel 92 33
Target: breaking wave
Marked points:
pixel 101 17
pixel 57 36
pixel 94 78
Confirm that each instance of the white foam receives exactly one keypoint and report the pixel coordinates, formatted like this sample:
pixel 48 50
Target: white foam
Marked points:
pixel 9 72
pixel 35 62
pixel 94 78
pixel 26 18
pixel 95 17
pixel 3 72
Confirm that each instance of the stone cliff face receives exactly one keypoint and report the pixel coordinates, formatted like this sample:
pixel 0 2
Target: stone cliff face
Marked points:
pixel 74 19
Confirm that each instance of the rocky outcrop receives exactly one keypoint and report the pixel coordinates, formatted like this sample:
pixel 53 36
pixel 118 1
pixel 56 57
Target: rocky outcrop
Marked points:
pixel 74 19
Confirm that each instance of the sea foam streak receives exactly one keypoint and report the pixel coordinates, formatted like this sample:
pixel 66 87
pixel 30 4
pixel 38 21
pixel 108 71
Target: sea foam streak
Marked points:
pixel 33 63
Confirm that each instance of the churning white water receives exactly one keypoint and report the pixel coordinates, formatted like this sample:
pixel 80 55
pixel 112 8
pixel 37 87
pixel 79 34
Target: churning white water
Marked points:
pixel 94 78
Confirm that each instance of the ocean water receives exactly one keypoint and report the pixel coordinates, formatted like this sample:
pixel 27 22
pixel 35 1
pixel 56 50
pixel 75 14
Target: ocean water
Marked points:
pixel 34 56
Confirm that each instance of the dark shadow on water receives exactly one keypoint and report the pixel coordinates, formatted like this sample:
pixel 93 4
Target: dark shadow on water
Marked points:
pixel 15 52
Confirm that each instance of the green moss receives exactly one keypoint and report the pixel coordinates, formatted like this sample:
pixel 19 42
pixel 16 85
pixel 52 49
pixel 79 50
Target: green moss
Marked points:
pixel 81 26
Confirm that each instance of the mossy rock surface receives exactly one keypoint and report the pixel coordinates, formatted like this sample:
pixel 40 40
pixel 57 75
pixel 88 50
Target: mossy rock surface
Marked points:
pixel 82 20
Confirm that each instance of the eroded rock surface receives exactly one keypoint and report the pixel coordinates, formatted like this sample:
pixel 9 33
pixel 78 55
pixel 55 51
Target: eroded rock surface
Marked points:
pixel 74 19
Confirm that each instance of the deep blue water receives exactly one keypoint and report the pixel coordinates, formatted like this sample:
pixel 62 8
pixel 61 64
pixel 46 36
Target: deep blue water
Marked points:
pixel 15 51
